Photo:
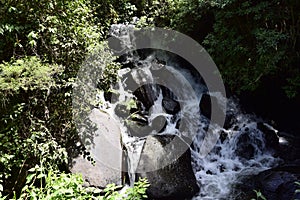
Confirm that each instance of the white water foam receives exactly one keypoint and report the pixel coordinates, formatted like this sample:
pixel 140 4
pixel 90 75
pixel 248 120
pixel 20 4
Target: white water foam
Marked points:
pixel 218 171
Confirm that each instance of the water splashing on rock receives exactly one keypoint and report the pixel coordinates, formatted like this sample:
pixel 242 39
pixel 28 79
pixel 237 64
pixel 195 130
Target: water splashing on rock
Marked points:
pixel 150 110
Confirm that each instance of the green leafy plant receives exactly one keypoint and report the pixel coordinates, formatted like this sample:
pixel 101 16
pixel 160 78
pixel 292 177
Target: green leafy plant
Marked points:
pixel 60 31
pixel 28 73
pixel 42 45
pixel 56 185
pixel 138 191
pixel 298 188
pixel 111 192
pixel 26 136
pixel 259 195
pixel 251 42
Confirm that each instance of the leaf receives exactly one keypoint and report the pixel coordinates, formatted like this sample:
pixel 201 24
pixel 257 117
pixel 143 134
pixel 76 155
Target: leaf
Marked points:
pixel 32 43
pixel 96 191
pixel 12 9
pixel 33 169
pixel 29 178
pixel 32 34
pixel 41 176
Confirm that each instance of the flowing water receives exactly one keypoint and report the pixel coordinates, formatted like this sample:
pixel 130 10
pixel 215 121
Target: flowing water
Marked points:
pixel 218 171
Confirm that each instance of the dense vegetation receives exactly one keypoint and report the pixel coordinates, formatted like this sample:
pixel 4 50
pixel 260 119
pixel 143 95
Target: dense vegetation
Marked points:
pixel 43 43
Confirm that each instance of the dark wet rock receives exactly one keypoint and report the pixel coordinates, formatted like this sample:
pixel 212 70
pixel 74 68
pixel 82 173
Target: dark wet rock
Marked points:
pixel 271 138
pixel 278 183
pixel 115 44
pixel 175 180
pixel 206 106
pixel 171 106
pixel 223 136
pixel 245 148
pixel 209 172
pixel 147 94
pixel 291 167
pixel 159 124
pixel 139 126
pixel 230 120
pixel 182 124
pixel 121 111
pixel 289 149
pixel 236 127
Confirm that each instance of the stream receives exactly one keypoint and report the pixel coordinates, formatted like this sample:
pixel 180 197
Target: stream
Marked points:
pixel 155 108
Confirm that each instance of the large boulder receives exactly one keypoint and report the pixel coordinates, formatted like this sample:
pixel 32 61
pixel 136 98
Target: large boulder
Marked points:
pixel 147 94
pixel 245 149
pixel 171 106
pixel 289 149
pixel 166 162
pixel 270 135
pixel 205 105
pixel 140 127
pixel 277 183
pixel 103 145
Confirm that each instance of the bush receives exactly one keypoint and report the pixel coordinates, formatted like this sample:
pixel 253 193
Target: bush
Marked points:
pixel 57 185
pixel 25 134
pixel 250 41
pixel 60 31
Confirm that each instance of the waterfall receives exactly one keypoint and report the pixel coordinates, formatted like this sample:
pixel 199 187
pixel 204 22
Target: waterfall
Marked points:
pixel 218 171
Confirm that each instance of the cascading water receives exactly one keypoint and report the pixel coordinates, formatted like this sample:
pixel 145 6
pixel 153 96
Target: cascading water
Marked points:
pixel 241 150
pixel 219 170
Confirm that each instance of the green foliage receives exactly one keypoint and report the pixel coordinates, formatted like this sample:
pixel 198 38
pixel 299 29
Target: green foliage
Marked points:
pixel 113 11
pixel 25 74
pixel 253 40
pixel 111 192
pixel 31 119
pixel 108 77
pixel 98 74
pixel 297 190
pixel 249 41
pixel 187 15
pixel 60 31
pixel 20 149
pixel 259 196
pixel 42 44
pixel 138 191
pixel 155 12
pixel 36 115
pixel 293 86
pixel 57 185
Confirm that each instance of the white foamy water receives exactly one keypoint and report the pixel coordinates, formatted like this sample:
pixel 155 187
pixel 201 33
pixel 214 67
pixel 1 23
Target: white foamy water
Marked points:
pixel 218 171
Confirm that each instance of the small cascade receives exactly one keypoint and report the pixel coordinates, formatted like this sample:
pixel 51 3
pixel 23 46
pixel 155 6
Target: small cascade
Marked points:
pixel 161 109
pixel 240 152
